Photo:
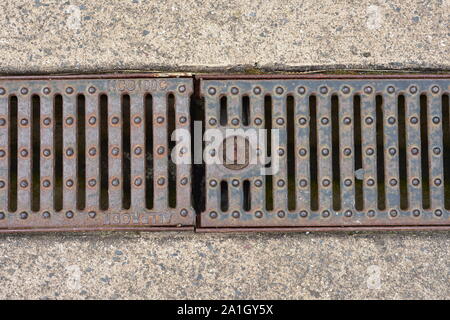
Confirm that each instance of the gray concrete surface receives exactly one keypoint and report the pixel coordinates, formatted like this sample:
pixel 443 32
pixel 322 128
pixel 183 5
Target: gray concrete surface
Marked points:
pixel 85 36
pixel 185 265
pixel 57 36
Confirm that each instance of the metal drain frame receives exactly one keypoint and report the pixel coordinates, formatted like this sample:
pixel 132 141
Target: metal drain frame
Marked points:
pixel 212 221
pixel 137 218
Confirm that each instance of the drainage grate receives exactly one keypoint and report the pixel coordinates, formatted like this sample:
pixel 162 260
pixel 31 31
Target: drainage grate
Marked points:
pixel 350 153
pixel 93 154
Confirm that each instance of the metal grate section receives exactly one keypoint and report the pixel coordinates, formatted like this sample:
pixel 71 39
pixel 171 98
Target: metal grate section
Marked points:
pixel 351 153
pixel 93 154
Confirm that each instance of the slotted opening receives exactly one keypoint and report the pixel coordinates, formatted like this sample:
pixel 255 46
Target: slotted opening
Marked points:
pixel 35 152
pixel 126 156
pixel 424 151
pixel 58 143
pixel 335 153
pixel 359 196
pixel 446 145
pixel 172 167
pixel 247 196
pixel 403 173
pixel 290 104
pixel 104 202
pixel 380 153
pixel 245 110
pixel 12 203
pixel 81 159
pixel 197 112
pixel 148 106
pixel 223 111
pixel 224 196
pixel 313 153
pixel 268 127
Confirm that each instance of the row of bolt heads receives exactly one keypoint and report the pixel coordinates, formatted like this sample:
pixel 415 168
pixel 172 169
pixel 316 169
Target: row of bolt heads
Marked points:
pixel 326 213
pixel 70 90
pixel 234 90
pixel 323 90
pixel 70 214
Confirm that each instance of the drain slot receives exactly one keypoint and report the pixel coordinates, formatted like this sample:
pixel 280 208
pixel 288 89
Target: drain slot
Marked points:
pixel 58 143
pixel 424 150
pixel 359 196
pixel 335 149
pixel 380 153
pixel 104 163
pixel 12 154
pixel 36 152
pixel 126 155
pixel 268 144
pixel 446 145
pixel 401 112
pixel 313 153
pixel 148 101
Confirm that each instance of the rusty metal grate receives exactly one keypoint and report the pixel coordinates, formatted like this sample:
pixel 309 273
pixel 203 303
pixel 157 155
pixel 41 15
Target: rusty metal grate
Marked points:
pixel 93 154
pixel 334 152
pixel 352 153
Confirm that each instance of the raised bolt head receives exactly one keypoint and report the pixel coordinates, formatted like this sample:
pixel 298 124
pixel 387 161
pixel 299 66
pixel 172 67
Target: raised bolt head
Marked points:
pixel 368 90
pixel 213 215
pixel 138 182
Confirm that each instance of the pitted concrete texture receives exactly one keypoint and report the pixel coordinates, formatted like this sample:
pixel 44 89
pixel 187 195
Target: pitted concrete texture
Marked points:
pixel 192 35
pixel 241 266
